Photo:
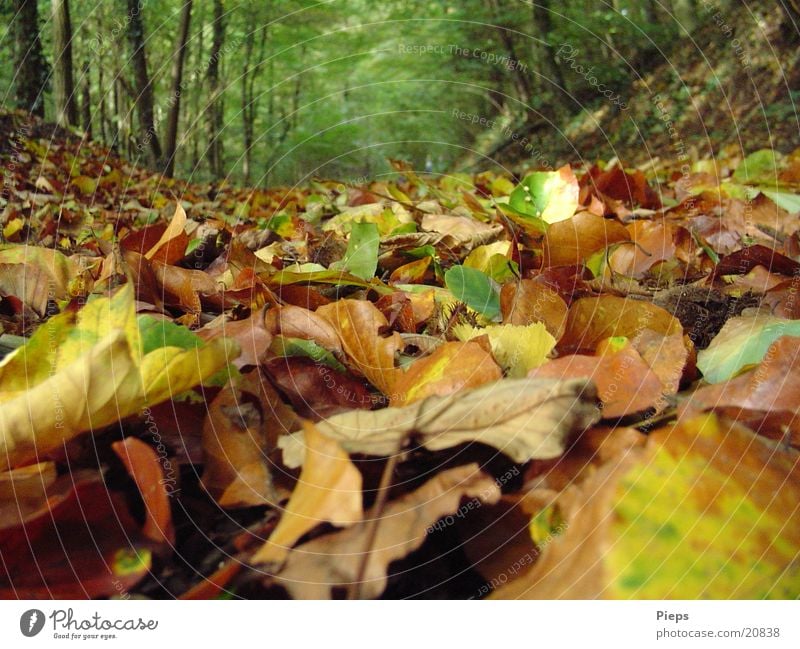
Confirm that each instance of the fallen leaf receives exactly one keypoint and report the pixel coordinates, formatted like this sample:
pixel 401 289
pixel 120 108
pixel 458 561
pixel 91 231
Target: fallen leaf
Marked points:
pixel 549 195
pixel 625 383
pixel 518 349
pixel 571 241
pixel 523 418
pixel 147 471
pixel 82 372
pixel 742 342
pixel 528 302
pixel 328 490
pixel 358 324
pixel 451 367
pixel 725 524
pixel 593 319
pixel 313 569
pixel 236 467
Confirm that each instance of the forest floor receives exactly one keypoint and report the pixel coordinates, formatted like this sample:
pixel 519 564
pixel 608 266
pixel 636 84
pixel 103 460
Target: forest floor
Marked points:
pixel 578 384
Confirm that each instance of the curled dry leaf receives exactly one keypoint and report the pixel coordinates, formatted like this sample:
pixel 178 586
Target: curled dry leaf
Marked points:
pixel 236 467
pixel 523 418
pixel 328 490
pixel 358 324
pixel 726 524
pixel 450 368
pixel 331 561
pixel 297 322
pixel 147 471
pixel 171 246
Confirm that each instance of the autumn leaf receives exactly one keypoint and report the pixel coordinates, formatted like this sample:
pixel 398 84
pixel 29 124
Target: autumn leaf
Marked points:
pixel 358 324
pixel 548 195
pixel 725 523
pixel 330 561
pixel 451 367
pixel 82 372
pixel 742 342
pixel 328 490
pixel 523 418
pixel 519 349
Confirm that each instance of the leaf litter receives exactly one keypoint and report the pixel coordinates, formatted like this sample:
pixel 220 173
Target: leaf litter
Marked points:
pixel 562 384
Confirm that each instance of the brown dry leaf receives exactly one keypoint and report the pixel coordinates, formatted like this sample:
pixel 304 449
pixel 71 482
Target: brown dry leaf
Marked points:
pixel 625 383
pixel 331 561
pixel 726 524
pixel 460 231
pixel 297 322
pixel 529 301
pixel 236 471
pixel 523 418
pixel 452 367
pixel 358 324
pixel 328 490
pixel 571 241
pixel 31 284
pixel 172 245
pixel 251 335
pixel 667 356
pixel 655 242
pixel 147 471
pixel 766 397
pixel 593 319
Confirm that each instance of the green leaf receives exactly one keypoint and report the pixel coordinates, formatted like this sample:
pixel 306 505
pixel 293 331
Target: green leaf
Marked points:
pixel 760 166
pixel 784 200
pixel 156 332
pixel 361 257
pixel 742 342
pixel 475 289
pixel 284 346
pixel 549 195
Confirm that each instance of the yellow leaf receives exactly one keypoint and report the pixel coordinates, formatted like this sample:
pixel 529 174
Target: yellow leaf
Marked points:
pixel 517 348
pixel 81 372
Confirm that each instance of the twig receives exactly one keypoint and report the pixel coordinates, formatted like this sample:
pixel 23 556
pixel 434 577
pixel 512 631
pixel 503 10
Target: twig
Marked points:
pixel 354 589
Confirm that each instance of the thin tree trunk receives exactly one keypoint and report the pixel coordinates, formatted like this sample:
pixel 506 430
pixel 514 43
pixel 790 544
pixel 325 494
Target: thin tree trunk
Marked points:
pixel 30 66
pixel 63 79
pixel 546 55
pixel 199 57
pixel 176 89
pixel 215 101
pixel 86 102
pixel 247 99
pixel 144 89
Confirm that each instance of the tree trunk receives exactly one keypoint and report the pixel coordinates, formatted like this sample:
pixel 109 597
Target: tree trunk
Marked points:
pixel 247 100
pixel 546 56
pixel 30 66
pixel 144 89
pixel 176 89
pixel 86 101
pixel 63 80
pixel 215 100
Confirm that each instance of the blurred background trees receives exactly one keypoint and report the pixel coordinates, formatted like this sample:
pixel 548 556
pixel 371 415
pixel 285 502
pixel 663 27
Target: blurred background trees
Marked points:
pixel 279 91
